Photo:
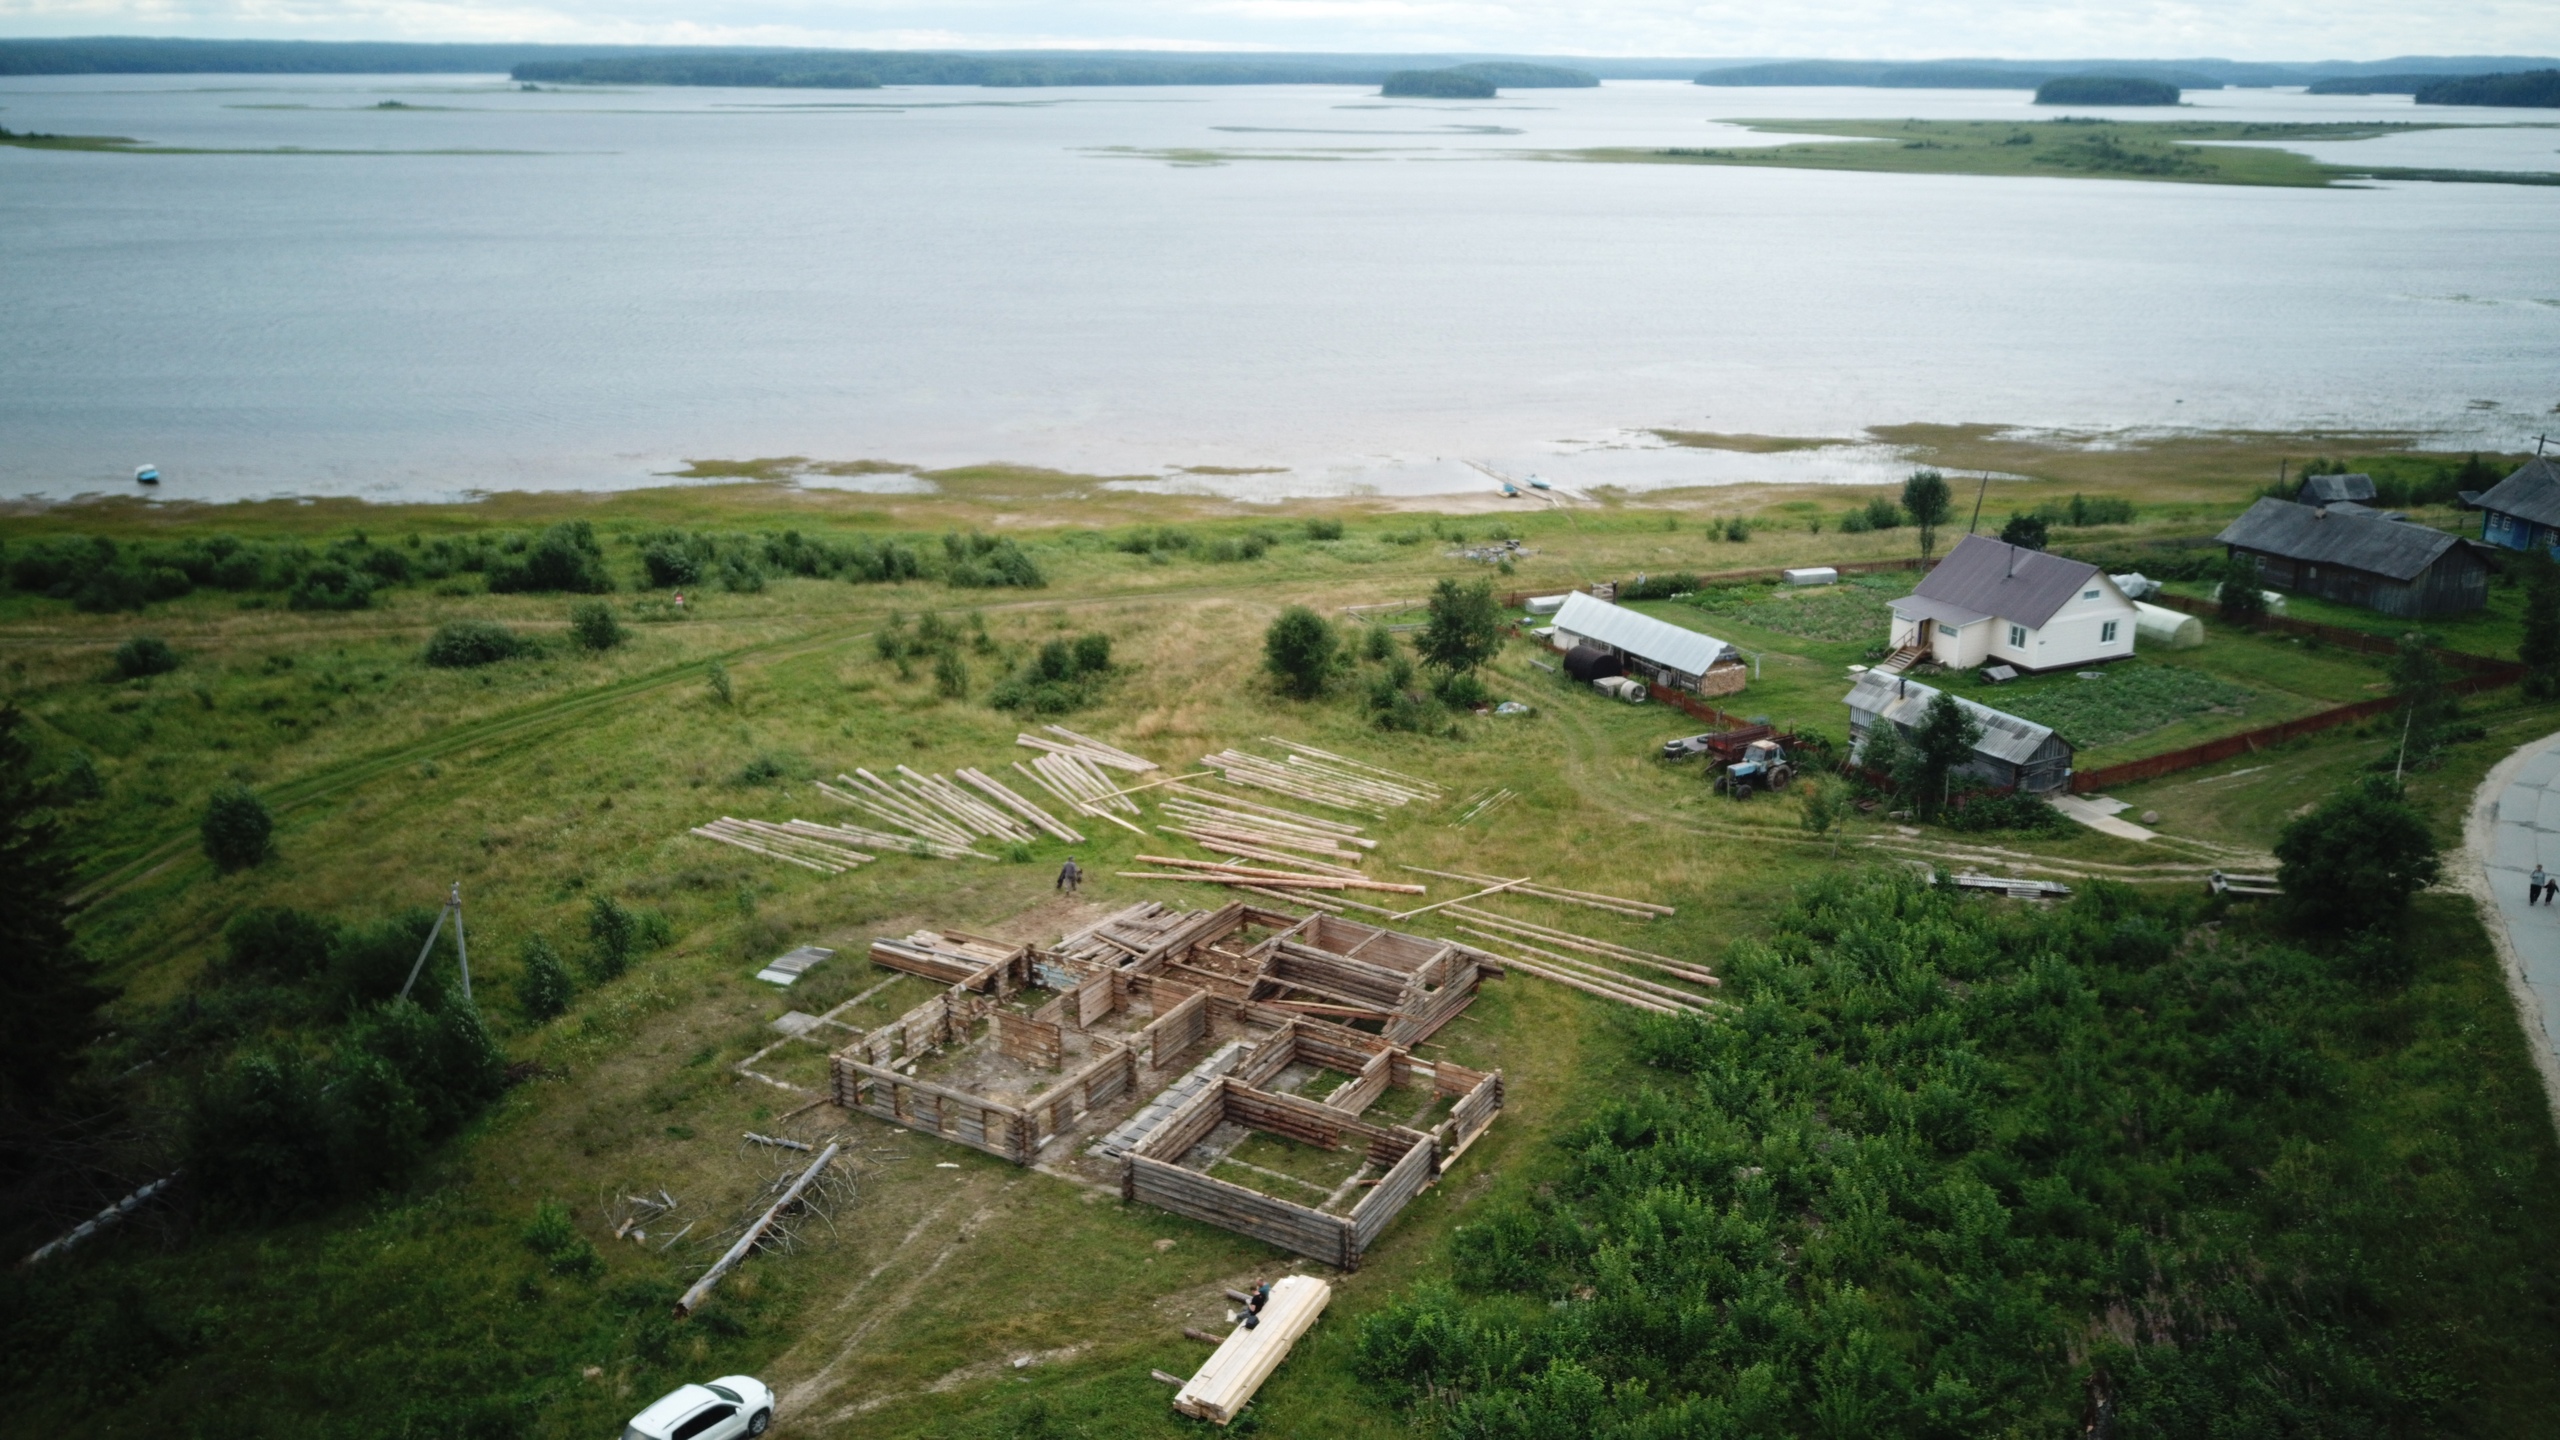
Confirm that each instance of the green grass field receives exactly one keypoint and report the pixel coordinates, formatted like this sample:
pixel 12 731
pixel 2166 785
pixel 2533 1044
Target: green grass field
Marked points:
pixel 980 1299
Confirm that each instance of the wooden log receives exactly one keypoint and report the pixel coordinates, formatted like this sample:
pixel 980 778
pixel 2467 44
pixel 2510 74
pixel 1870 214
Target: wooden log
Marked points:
pixel 1437 904
pixel 1623 997
pixel 1354 882
pixel 1005 796
pixel 1203 1336
pixel 1643 908
pixel 701 1289
pixel 1603 973
pixel 1290 817
pixel 1175 1381
pixel 1396 776
pixel 1140 762
pixel 1604 948
pixel 1330 907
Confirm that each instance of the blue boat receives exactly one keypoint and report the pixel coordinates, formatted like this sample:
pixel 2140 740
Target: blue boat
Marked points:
pixel 147 475
pixel 1510 491
pixel 1537 483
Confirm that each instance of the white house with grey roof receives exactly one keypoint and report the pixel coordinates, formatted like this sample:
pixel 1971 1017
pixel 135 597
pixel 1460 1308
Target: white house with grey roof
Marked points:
pixel 1656 650
pixel 1993 603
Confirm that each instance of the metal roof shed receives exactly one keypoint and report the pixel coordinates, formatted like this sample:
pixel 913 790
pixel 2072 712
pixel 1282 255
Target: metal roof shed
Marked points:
pixel 2012 753
pixel 1675 656
pixel 2387 565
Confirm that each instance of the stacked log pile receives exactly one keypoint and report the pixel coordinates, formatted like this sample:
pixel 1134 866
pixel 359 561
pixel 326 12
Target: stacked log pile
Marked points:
pixel 1321 777
pixel 812 847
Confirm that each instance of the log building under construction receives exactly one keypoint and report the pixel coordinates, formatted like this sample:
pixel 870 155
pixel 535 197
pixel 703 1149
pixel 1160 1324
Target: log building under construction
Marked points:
pixel 1028 1047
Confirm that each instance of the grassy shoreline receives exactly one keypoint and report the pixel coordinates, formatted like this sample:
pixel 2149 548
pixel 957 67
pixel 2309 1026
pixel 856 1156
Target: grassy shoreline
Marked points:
pixel 543 781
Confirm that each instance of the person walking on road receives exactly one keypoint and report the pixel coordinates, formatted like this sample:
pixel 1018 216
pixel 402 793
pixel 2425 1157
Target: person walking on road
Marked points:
pixel 2536 886
pixel 1071 876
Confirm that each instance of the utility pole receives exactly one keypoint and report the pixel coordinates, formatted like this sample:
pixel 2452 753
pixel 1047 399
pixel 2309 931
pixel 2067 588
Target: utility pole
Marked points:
pixel 1976 521
pixel 452 908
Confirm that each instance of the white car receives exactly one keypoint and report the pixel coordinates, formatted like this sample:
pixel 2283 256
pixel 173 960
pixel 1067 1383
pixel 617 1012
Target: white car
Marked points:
pixel 729 1406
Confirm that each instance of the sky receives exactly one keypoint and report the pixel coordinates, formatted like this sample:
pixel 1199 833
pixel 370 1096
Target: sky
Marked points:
pixel 1846 29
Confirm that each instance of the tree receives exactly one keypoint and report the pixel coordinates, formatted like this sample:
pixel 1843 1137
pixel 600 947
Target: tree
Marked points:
pixel 1301 651
pixel 1941 744
pixel 49 995
pixel 545 987
pixel 2353 863
pixel 238 830
pixel 1926 499
pixel 1463 628
pixel 2243 603
pixel 616 933
pixel 2540 649
pixel 145 655
pixel 593 623
pixel 2426 704
pixel 951 676
pixel 2027 532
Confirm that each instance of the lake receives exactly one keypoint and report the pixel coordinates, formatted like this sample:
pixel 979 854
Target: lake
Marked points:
pixel 1337 293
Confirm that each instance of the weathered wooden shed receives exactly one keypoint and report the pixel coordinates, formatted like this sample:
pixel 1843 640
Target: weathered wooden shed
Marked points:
pixel 2013 754
pixel 2389 566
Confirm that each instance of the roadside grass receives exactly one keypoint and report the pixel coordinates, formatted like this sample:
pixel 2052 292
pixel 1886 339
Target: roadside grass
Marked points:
pixel 932 1277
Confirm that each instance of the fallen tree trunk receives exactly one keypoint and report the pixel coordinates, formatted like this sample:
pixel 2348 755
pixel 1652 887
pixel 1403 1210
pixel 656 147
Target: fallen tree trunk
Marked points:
pixel 701 1290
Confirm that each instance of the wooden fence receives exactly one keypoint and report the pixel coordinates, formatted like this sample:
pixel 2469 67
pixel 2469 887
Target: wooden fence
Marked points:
pixel 2342 637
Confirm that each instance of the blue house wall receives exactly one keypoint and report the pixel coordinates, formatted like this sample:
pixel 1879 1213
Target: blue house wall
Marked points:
pixel 2515 533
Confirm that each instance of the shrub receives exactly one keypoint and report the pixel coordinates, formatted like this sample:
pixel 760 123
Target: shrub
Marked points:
pixel 279 943
pixel 238 830
pixel 1324 529
pixel 1302 651
pixel 1379 643
pixel 715 676
pixel 1461 690
pixel 951 676
pixel 145 655
pixel 563 557
pixel 255 1135
pixel 1883 514
pixel 331 586
pixel 2027 532
pixel 1855 523
pixel 1658 587
pixel 670 564
pixel 2243 603
pixel 1092 653
pixel 1060 676
pixel 463 644
pixel 544 989
pixel 554 1237
pixel 2003 812
pixel 593 625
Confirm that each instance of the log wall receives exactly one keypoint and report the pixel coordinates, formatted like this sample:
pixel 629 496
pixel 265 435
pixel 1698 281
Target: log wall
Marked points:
pixel 1364 1089
pixel 1176 1030
pixel 954 1115
pixel 1030 1041
pixel 1232 1207
pixel 1379 1208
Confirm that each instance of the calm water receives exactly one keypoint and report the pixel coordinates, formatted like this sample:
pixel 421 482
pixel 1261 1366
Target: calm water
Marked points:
pixel 1378 292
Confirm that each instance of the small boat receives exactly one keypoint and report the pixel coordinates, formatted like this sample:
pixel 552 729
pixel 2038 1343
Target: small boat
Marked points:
pixel 147 475
pixel 1510 491
pixel 1539 483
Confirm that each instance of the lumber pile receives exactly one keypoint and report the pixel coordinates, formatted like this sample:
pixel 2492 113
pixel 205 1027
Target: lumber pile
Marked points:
pixel 1237 1368
pixel 1322 777
pixel 947 956
pixel 1604 949
pixel 811 847
pixel 1085 747
pixel 1079 784
pixel 1482 803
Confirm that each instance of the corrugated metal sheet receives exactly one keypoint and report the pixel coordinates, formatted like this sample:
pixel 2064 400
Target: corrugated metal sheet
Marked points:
pixel 1992 577
pixel 1642 636
pixel 2394 549
pixel 2330 489
pixel 2532 493
pixel 1906 703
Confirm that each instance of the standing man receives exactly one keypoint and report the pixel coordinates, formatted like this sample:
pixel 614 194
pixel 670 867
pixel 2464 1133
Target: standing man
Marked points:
pixel 2535 885
pixel 1071 875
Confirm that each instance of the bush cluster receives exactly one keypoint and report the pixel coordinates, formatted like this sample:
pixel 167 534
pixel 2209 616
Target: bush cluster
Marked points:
pixel 1062 675
pixel 988 562
pixel 1877 514
pixel 463 644
pixel 1900 1189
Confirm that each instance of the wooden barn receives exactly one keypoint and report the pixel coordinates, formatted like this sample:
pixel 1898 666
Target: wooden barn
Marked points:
pixel 2390 566
pixel 2013 754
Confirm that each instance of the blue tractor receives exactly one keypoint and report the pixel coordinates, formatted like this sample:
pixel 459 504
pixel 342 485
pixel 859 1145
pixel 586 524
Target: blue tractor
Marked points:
pixel 1764 765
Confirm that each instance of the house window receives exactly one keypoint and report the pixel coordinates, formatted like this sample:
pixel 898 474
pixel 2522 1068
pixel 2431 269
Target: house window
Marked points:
pixel 2088 594
pixel 2107 633
pixel 2017 637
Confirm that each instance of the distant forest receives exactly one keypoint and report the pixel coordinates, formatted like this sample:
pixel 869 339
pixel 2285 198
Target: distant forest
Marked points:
pixel 2185 74
pixel 2538 89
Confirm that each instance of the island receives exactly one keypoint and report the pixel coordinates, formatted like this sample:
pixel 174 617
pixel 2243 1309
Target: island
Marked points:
pixel 2105 90
pixel 1438 85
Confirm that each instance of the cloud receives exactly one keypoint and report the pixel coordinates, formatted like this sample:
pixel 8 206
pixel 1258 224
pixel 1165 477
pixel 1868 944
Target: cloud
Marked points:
pixel 2238 29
